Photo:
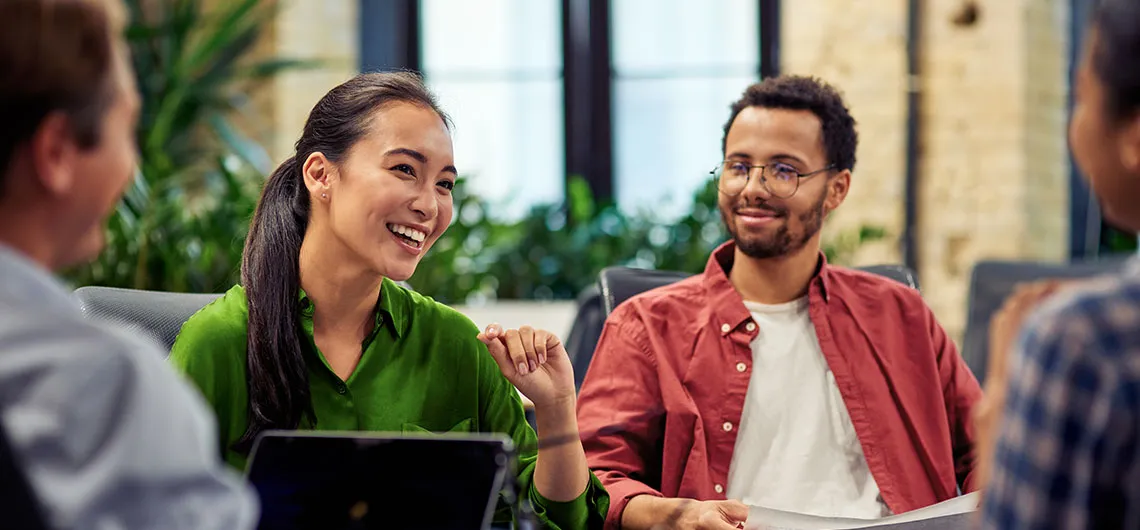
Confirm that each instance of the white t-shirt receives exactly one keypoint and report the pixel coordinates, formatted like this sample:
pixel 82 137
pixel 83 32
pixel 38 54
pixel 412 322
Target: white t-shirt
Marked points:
pixel 796 449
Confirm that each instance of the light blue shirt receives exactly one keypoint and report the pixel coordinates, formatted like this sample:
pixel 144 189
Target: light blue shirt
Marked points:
pixel 108 434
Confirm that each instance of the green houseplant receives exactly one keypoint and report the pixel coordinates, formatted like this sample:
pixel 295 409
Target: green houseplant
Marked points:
pixel 558 249
pixel 182 221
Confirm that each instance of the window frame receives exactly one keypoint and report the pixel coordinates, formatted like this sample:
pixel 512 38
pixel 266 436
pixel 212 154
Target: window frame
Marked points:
pixel 390 38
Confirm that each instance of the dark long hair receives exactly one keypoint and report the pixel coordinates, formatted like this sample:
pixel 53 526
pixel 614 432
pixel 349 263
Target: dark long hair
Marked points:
pixel 1116 57
pixel 278 379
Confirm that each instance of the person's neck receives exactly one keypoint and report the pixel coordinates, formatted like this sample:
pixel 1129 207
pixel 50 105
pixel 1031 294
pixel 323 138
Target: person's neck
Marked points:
pixel 775 280
pixel 29 234
pixel 343 292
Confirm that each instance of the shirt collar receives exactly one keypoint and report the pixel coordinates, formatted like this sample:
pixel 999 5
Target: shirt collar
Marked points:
pixel 26 281
pixel 727 304
pixel 391 308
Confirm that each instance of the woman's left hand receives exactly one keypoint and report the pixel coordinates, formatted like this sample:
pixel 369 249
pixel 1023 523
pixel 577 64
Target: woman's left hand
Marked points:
pixel 534 361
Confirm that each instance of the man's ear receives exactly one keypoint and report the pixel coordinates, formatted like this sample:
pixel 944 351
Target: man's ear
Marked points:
pixel 53 151
pixel 1129 145
pixel 837 187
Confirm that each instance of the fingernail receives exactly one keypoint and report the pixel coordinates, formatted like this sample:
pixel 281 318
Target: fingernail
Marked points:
pixel 542 358
pixel 531 364
pixel 493 329
pixel 522 368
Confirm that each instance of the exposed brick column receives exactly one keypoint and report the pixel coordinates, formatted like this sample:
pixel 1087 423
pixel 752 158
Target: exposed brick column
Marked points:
pixel 993 166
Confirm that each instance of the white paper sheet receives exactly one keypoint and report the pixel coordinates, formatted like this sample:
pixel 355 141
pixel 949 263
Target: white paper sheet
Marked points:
pixel 760 518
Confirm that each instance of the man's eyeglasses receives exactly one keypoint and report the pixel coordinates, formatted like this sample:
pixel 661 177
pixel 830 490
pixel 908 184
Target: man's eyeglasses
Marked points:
pixel 780 179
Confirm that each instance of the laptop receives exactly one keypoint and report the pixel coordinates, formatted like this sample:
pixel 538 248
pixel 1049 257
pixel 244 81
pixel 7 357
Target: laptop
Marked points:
pixel 361 481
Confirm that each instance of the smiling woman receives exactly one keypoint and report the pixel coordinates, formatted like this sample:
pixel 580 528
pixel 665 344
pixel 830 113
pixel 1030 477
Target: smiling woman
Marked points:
pixel 320 336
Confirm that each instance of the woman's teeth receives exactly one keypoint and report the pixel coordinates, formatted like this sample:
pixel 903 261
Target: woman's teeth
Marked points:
pixel 411 234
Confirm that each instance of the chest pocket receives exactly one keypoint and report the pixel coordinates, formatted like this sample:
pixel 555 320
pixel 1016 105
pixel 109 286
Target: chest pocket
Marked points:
pixel 464 425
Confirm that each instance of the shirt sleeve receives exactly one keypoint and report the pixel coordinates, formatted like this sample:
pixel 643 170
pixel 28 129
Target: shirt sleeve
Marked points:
pixel 1070 429
pixel 502 412
pixel 961 393
pixel 620 410
pixel 111 437
pixel 210 353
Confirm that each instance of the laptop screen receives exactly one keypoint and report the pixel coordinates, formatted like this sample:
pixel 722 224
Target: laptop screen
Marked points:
pixel 342 481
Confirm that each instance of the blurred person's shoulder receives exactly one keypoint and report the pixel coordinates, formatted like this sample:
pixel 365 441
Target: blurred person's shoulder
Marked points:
pixel 1095 319
pixel 64 376
pixel 44 333
pixel 37 342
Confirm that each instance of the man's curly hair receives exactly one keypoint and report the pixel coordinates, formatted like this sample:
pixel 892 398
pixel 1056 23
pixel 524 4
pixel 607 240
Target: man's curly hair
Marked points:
pixel 806 93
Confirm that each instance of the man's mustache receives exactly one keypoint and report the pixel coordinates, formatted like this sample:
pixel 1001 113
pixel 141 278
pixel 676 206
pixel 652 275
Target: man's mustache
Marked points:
pixel 766 207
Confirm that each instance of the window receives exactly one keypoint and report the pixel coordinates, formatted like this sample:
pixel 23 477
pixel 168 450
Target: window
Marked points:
pixel 496 66
pixel 629 94
pixel 677 65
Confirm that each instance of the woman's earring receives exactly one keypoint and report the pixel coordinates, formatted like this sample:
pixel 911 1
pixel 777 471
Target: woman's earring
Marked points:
pixel 324 195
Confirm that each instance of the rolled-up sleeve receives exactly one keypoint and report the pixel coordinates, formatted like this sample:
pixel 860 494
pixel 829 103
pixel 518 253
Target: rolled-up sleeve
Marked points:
pixel 619 414
pixel 111 437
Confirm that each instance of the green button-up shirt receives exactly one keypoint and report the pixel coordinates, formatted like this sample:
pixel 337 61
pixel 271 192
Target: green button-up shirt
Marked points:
pixel 423 369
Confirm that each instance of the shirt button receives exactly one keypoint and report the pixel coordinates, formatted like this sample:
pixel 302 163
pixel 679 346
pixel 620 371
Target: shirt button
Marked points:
pixel 340 388
pixel 718 488
pixel 751 326
pixel 724 328
pixel 740 367
pixel 727 426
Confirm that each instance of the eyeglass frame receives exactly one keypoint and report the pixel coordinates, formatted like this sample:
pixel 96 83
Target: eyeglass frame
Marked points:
pixel 763 177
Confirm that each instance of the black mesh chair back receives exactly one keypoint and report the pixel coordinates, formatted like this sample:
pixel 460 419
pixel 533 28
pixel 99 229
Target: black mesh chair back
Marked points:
pixel 991 282
pixel 159 315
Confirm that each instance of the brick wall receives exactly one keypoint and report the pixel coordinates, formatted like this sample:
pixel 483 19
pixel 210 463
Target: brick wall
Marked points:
pixel 327 31
pixel 860 47
pixel 992 165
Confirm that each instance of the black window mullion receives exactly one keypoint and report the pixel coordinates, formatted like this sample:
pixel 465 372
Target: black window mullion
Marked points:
pixel 389 35
pixel 769 24
pixel 586 79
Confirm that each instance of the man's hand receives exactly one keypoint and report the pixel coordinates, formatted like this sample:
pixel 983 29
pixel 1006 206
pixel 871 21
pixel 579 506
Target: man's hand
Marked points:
pixel 714 515
pixel 657 513
pixel 1005 326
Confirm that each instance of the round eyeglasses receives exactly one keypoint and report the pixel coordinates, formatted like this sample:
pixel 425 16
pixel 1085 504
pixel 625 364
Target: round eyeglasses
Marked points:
pixel 780 179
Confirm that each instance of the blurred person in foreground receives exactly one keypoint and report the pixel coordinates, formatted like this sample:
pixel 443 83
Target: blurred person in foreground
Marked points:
pixel 1067 453
pixel 774 378
pixel 107 434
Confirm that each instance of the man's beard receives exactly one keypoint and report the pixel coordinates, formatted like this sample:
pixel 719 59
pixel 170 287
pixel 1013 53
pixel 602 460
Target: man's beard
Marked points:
pixel 782 242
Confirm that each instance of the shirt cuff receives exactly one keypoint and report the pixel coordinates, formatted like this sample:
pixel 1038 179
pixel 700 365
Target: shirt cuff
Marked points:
pixel 621 492
pixel 587 511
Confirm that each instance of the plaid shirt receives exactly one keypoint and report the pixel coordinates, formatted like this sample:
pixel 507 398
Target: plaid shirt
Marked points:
pixel 1068 455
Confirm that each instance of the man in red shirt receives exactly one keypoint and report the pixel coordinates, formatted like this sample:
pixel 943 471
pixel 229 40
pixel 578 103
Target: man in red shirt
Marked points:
pixel 773 378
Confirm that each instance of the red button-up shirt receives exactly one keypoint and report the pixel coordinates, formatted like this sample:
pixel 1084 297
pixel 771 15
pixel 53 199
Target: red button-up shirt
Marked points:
pixel 665 388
